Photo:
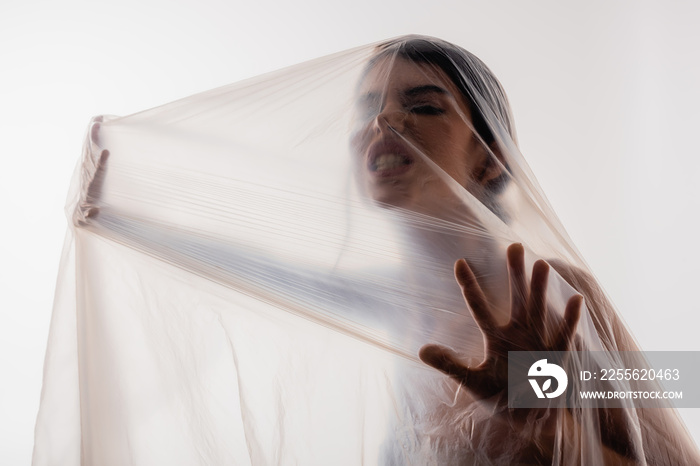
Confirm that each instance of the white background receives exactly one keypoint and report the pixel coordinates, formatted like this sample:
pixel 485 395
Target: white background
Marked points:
pixel 605 96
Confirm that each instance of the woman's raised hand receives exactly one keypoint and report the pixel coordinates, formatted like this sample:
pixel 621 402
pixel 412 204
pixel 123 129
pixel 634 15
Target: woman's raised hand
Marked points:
pixel 93 174
pixel 531 326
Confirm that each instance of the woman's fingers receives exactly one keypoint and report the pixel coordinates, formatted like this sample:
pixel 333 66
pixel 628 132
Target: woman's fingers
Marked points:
pixel 95 130
pixel 537 302
pixel 529 310
pixel 446 361
pixel 474 296
pixel 572 314
pixel 518 282
pixel 481 381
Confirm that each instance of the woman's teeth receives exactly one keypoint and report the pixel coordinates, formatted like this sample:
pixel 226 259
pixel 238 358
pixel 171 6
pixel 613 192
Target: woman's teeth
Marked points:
pixel 389 161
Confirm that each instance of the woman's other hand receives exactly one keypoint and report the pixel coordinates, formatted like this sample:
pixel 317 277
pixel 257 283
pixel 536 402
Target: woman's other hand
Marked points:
pixel 531 327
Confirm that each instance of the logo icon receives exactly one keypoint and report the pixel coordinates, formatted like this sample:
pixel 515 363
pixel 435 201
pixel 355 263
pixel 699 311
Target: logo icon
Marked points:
pixel 542 368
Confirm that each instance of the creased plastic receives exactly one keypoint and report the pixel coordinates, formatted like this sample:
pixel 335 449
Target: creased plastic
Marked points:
pixel 251 273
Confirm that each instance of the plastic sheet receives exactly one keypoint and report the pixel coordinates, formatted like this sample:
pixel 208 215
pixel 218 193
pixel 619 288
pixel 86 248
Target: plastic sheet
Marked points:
pixel 251 274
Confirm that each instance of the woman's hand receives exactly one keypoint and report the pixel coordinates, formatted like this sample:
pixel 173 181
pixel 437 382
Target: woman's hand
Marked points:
pixel 93 174
pixel 531 326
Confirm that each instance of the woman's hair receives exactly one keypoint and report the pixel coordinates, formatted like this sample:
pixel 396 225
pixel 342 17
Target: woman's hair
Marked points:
pixel 481 90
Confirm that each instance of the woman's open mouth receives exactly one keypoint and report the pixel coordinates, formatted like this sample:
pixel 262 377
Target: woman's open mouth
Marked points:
pixel 388 158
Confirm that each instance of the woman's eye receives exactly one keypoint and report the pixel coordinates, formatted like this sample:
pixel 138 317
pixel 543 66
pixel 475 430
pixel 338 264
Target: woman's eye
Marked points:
pixel 427 110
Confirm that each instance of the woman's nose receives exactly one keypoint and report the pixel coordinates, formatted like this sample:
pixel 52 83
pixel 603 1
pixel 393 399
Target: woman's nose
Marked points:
pixel 391 120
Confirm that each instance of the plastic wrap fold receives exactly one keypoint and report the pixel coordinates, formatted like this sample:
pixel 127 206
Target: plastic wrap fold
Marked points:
pixel 250 274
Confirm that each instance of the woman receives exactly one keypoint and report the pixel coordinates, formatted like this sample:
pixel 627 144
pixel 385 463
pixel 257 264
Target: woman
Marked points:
pixel 434 122
pixel 208 226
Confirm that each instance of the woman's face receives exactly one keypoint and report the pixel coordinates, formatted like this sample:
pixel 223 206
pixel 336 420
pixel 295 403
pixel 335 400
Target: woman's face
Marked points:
pixel 410 114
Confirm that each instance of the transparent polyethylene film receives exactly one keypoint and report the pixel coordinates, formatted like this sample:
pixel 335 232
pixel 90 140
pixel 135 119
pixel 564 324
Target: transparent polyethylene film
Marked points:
pixel 251 274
